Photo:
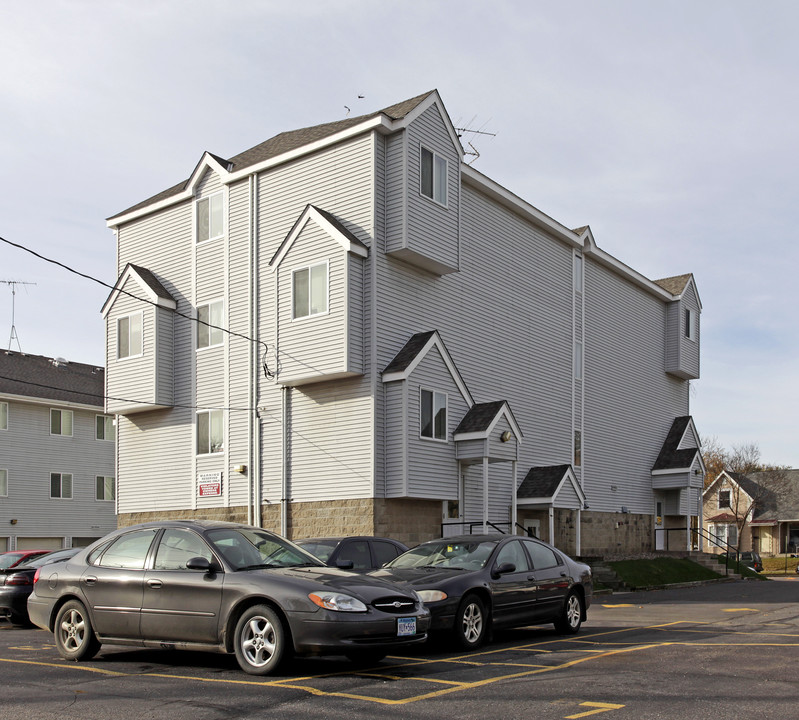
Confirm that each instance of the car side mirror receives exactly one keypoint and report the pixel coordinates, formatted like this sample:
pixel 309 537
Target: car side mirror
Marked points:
pixel 200 563
pixel 504 569
pixel 345 564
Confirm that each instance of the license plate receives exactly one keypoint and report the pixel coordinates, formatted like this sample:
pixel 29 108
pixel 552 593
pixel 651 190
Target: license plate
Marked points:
pixel 406 626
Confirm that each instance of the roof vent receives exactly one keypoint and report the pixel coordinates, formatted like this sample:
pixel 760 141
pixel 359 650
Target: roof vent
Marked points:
pixel 59 361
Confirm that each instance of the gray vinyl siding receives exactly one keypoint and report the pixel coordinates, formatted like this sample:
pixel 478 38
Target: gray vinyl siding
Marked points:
pixel 331 456
pixel 396 439
pixel 394 149
pixel 432 231
pixel 630 402
pixel 432 469
pixel 29 453
pixel 682 353
pixel 339 180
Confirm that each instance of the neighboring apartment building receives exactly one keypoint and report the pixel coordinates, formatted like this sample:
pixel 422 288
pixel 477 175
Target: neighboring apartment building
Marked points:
pixel 413 350
pixel 57 486
pixel 757 511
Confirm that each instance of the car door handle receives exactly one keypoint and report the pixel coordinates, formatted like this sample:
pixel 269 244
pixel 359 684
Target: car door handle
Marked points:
pixel 89 580
pixel 155 584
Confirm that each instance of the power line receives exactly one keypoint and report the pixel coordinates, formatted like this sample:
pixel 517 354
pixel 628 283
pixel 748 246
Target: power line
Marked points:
pixel 267 372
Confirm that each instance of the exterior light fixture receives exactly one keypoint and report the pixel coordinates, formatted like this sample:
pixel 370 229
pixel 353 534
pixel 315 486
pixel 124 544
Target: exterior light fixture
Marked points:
pixel 240 469
pixel 506 436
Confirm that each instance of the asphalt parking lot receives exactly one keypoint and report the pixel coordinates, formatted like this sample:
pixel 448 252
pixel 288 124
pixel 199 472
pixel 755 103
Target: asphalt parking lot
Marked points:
pixel 721 650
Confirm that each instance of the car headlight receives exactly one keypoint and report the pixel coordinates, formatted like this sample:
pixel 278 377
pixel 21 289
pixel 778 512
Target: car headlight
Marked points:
pixel 429 596
pixel 337 601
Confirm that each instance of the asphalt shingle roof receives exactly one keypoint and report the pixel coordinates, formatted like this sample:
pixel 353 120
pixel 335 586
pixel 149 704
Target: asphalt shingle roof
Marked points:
pixel 57 380
pixel 542 482
pixel 479 417
pixel 409 352
pixel 670 457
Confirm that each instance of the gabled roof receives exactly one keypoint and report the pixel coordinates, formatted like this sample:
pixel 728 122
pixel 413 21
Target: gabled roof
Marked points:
pixel 414 351
pixel 672 458
pixel 482 418
pixel 544 483
pixel 329 224
pixel 55 380
pixel 154 291
pixel 282 144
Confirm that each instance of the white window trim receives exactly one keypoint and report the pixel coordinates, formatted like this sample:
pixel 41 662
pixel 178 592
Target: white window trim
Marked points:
pixel 308 267
pixel 446 182
pixel 207 198
pixel 579 361
pixel 4 494
pixel 72 488
pixel 104 477
pixel 579 273
pixel 113 424
pixel 61 434
pixel 137 355
pixel 433 438
pixel 5 404
pixel 689 318
pixel 210 453
pixel 221 325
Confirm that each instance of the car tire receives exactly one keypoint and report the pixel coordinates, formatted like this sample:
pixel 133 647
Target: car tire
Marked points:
pixel 571 616
pixel 260 640
pixel 471 622
pixel 73 633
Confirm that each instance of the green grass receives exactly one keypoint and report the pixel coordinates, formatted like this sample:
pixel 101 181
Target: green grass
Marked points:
pixel 780 565
pixel 661 571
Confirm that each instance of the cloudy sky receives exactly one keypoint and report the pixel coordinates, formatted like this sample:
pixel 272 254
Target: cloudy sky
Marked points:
pixel 668 126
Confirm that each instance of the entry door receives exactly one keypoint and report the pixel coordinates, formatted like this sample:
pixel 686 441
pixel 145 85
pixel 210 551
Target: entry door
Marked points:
pixel 452 512
pixel 660 533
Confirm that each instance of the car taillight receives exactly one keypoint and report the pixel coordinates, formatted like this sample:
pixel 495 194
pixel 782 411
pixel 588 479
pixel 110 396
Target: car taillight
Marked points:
pixel 36 575
pixel 18 580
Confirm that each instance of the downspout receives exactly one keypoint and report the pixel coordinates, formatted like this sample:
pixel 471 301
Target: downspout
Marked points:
pixel 252 419
pixel 284 475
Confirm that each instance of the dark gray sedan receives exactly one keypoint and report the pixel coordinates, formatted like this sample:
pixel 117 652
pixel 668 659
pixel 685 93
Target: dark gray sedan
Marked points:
pixel 474 582
pixel 224 587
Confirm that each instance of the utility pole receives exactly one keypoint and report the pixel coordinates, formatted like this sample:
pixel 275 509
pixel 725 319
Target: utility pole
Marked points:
pixel 13 285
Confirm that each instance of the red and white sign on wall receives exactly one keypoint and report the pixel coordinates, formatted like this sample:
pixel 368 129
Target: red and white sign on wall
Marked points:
pixel 209 484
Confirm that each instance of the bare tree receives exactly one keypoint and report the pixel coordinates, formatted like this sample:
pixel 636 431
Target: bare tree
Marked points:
pixel 714 456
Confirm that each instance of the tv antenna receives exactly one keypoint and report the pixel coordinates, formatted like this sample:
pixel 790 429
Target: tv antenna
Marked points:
pixel 474 150
pixel 13 285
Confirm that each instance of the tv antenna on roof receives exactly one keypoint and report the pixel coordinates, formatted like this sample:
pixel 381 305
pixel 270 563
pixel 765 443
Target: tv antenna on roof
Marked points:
pixel 474 150
pixel 13 285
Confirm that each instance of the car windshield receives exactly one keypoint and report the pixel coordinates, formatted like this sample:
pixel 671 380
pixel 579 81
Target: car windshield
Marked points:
pixel 323 549
pixel 464 555
pixel 246 549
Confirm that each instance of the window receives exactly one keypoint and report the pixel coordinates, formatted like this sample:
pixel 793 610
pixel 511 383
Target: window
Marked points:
pixel 104 427
pixel 433 176
pixel 61 486
pixel 177 547
pixel 513 553
pixel 541 555
pixel 384 551
pixel 578 273
pixel 578 448
pixel 725 534
pixel 724 498
pixel 689 324
pixel 129 336
pixel 3 416
pixel 309 291
pixel 209 218
pixel 433 415
pixel 210 434
pixel 104 488
pixel 129 551
pixel 61 422
pixel 209 326
pixel 578 361
pixel 3 483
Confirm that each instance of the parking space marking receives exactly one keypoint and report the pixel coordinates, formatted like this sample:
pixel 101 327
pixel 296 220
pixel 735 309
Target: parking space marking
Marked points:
pixel 600 708
pixel 490 665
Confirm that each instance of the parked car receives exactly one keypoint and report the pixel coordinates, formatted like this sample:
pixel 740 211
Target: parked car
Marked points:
pixel 359 553
pixel 223 587
pixel 472 583
pixel 16 585
pixel 750 558
pixel 12 558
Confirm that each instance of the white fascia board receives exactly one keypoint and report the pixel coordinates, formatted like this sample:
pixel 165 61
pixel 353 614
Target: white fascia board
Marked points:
pixel 381 123
pixel 52 403
pixel 485 434
pixel 572 478
pixel 672 471
pixel 515 203
pixel 532 502
pixel 150 294
pixel 434 341
pixel 311 213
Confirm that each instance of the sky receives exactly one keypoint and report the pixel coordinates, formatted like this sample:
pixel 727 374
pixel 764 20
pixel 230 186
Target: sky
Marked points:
pixel 670 127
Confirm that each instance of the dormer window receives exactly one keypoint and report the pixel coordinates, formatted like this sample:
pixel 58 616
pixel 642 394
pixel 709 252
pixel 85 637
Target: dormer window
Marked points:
pixel 433 415
pixel 433 176
pixel 309 291
pixel 129 336
pixel 688 320
pixel 210 223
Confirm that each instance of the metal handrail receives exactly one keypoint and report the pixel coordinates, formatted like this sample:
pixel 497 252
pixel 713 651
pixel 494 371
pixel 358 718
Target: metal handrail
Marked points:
pixel 496 526
pixel 726 547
